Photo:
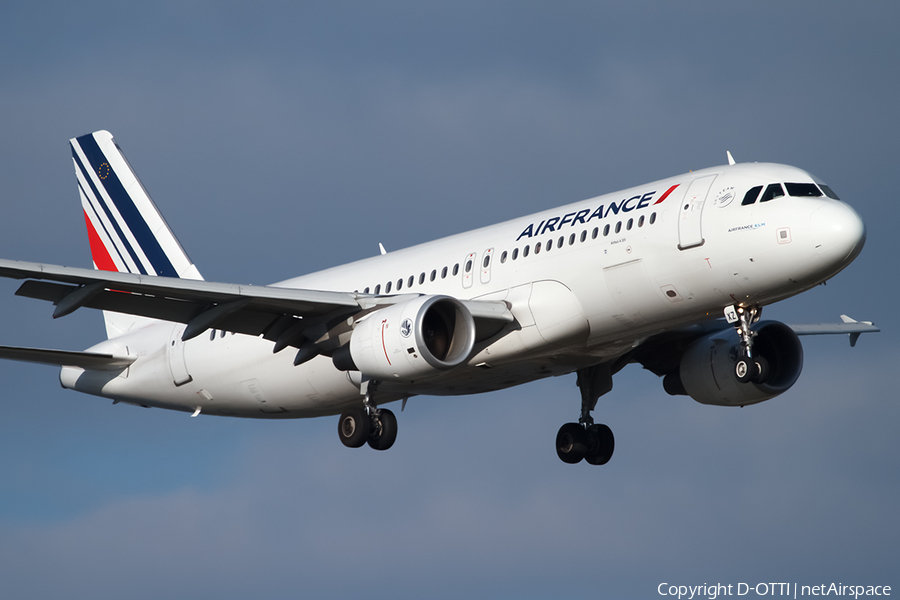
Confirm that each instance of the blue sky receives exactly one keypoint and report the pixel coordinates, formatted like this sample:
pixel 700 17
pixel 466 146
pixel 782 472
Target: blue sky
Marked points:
pixel 281 138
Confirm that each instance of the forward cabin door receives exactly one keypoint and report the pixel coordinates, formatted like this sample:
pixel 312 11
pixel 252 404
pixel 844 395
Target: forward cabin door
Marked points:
pixel 690 234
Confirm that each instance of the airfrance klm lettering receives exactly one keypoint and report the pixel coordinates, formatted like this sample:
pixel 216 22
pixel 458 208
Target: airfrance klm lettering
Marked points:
pixel 585 216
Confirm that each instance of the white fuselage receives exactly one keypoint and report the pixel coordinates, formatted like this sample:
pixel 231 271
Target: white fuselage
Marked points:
pixel 585 282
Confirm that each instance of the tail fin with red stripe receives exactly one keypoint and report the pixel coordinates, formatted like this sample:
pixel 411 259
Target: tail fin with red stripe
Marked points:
pixel 126 231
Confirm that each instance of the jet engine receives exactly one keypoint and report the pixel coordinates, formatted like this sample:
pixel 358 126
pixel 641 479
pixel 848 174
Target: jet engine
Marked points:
pixel 707 368
pixel 410 341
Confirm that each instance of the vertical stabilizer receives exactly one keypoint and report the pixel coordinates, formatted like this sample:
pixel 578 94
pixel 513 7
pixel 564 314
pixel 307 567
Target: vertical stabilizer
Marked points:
pixel 126 231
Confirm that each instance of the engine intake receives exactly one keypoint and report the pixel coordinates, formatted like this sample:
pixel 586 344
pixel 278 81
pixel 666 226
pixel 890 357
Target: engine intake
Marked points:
pixel 410 341
pixel 707 372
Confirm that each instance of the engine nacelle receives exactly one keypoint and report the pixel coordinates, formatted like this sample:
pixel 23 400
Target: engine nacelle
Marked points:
pixel 410 341
pixel 707 369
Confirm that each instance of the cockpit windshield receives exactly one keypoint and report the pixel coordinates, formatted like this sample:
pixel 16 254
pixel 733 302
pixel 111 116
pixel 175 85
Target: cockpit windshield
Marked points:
pixel 828 191
pixel 795 190
pixel 773 191
pixel 803 190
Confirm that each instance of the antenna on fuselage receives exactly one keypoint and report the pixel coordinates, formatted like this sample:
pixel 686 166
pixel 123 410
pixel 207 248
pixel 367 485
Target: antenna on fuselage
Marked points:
pixel 380 247
pixel 730 158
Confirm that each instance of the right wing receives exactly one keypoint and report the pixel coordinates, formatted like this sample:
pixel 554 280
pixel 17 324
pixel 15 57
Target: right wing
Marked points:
pixel 850 326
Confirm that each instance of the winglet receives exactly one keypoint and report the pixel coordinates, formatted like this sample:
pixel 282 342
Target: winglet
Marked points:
pixel 854 336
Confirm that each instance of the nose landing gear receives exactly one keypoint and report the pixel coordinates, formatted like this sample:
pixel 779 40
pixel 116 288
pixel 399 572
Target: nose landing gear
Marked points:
pixel 585 440
pixel 749 367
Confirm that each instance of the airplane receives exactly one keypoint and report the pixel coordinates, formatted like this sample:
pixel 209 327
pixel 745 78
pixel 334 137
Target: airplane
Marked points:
pixel 671 275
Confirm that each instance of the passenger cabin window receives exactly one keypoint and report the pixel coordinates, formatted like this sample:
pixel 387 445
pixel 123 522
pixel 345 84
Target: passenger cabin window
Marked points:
pixel 751 195
pixel 803 190
pixel 456 269
pixel 433 275
pixel 387 288
pixel 515 253
pixel 410 281
pixel 377 289
pixel 773 191
pixel 503 257
pixel 444 273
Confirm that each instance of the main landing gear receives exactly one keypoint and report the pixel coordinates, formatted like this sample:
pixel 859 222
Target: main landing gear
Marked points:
pixel 749 366
pixel 368 423
pixel 585 440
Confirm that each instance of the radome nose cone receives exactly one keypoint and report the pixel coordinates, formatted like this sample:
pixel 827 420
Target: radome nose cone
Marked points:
pixel 838 232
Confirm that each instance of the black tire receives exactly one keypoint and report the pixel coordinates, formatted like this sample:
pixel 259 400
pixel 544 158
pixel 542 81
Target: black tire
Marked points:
pixel 601 444
pixel 744 369
pixel 353 427
pixel 571 443
pixel 384 433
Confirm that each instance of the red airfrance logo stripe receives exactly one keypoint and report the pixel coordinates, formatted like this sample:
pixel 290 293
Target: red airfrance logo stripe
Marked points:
pixel 666 194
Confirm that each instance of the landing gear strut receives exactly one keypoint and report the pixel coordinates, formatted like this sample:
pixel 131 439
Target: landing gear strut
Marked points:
pixel 749 367
pixel 368 423
pixel 585 440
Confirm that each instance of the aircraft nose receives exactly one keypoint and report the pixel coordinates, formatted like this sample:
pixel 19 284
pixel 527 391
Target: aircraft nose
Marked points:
pixel 838 233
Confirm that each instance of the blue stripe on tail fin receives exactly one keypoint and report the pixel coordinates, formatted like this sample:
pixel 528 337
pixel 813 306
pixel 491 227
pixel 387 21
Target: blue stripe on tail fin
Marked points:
pixel 127 233
pixel 124 217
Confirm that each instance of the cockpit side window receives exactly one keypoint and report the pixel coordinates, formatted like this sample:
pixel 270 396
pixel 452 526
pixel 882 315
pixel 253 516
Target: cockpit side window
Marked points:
pixel 773 191
pixel 829 192
pixel 751 195
pixel 803 190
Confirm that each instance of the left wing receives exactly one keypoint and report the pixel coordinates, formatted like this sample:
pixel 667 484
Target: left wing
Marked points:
pixel 284 315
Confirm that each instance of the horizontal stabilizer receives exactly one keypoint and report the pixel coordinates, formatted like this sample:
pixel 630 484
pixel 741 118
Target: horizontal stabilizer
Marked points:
pixel 63 358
